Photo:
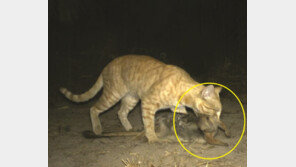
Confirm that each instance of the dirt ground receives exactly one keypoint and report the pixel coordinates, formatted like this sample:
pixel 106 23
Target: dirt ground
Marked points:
pixel 68 146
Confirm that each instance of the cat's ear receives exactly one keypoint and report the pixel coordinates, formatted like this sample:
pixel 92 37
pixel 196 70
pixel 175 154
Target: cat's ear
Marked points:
pixel 218 89
pixel 208 91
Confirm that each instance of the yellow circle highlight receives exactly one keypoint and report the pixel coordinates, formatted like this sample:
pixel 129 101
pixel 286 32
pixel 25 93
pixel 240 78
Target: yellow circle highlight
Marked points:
pixel 210 83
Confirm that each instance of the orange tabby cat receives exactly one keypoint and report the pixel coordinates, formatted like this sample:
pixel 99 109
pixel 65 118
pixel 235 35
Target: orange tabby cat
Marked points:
pixel 132 78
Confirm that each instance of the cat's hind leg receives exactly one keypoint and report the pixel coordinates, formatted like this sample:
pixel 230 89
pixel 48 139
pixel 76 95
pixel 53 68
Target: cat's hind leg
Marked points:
pixel 128 102
pixel 107 100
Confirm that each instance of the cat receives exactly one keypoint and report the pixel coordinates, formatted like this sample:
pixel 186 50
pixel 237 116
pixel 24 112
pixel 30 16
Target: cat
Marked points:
pixel 131 78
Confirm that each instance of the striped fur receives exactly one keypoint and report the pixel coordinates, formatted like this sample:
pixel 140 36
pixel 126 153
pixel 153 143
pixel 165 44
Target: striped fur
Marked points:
pixel 85 96
pixel 132 78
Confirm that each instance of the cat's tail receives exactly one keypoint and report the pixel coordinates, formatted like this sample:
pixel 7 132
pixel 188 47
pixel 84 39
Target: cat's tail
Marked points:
pixel 86 95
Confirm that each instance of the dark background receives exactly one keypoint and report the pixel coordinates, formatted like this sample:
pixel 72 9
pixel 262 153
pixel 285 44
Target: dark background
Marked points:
pixel 207 38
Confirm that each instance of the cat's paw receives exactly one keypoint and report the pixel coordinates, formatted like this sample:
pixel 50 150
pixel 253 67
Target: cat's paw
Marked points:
pixel 97 130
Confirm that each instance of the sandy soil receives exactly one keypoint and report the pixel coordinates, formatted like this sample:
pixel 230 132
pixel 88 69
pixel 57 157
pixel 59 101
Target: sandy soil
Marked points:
pixel 68 146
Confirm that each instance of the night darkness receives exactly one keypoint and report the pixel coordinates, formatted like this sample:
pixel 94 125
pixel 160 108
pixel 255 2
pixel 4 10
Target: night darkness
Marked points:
pixel 207 38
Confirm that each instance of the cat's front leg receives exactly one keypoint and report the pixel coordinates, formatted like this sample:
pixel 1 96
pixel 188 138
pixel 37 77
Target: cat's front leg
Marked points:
pixel 148 116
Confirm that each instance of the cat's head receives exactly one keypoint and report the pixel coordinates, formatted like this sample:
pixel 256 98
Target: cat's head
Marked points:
pixel 208 102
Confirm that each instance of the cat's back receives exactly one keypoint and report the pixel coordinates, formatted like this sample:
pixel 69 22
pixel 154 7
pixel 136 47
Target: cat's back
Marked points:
pixel 131 64
pixel 137 60
pixel 142 67
pixel 135 72
pixel 138 73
